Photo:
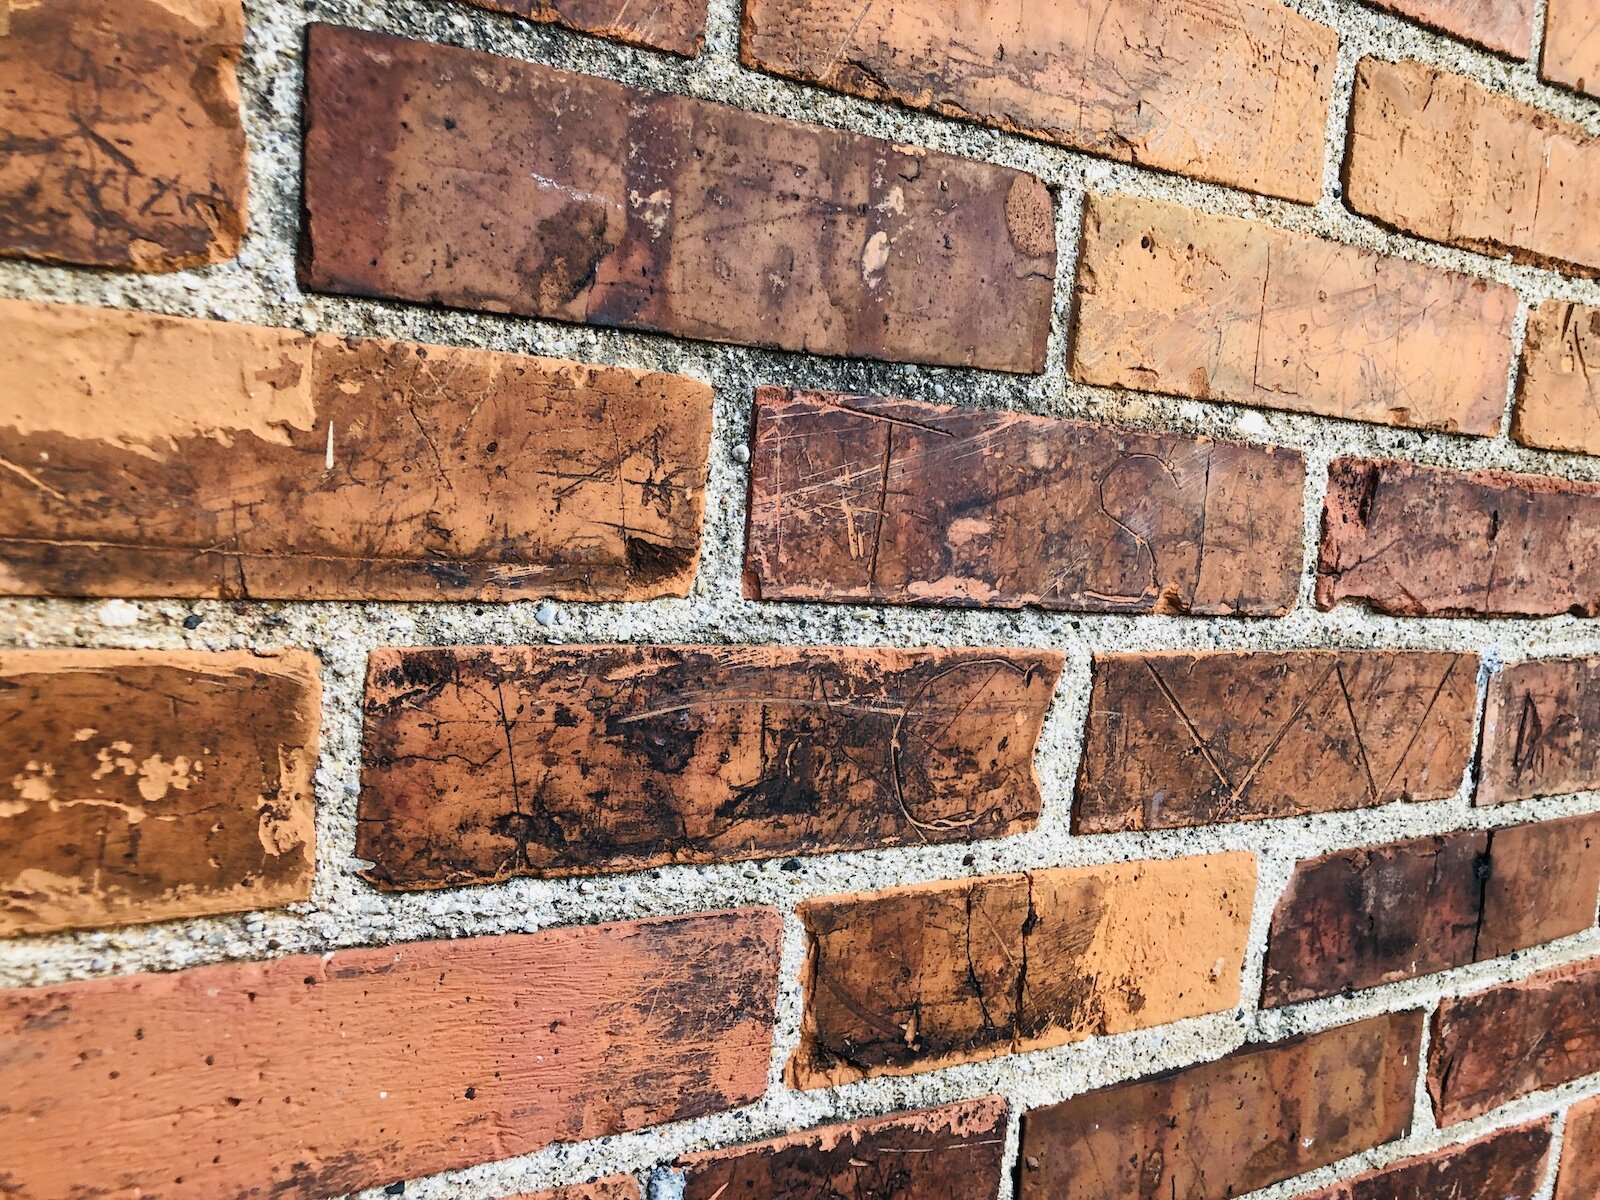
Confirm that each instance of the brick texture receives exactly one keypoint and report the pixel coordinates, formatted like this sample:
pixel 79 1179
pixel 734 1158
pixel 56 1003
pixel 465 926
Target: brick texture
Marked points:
pixel 1541 730
pixel 485 763
pixel 1233 92
pixel 677 26
pixel 881 500
pixel 317 1075
pixel 1572 46
pixel 921 977
pixel 721 224
pixel 1178 301
pixel 1505 26
pixel 1437 155
pixel 612 1187
pixel 148 784
pixel 1366 917
pixel 1492 1047
pixel 954 1151
pixel 1177 739
pixel 1503 1166
pixel 1579 1177
pixel 170 457
pixel 124 145
pixel 1558 393
pixel 1416 540
pixel 1260 1115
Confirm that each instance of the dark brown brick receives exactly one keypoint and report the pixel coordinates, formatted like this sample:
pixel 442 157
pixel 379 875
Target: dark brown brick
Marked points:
pixel 484 763
pixel 1260 1115
pixel 677 26
pixel 1541 730
pixel 1544 884
pixel 1505 26
pixel 1509 1165
pixel 1415 540
pixel 881 500
pixel 1492 1047
pixel 151 784
pixel 949 1153
pixel 924 976
pixel 123 144
pixel 1580 1155
pixel 1231 91
pixel 507 186
pixel 169 457
pixel 322 1074
pixel 1179 739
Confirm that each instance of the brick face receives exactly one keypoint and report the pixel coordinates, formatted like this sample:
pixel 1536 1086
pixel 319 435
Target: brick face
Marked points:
pixel 1082 518
pixel 1416 540
pixel 1579 1177
pixel 1437 155
pixel 1232 92
pixel 119 810
pixel 921 977
pixel 1505 26
pixel 1558 393
pixel 677 26
pixel 1504 1166
pixel 652 755
pixel 1183 302
pixel 124 142
pixel 1177 739
pixel 316 1075
pixel 1544 883
pixel 434 472
pixel 1492 1047
pixel 1541 730
pixel 1572 46
pixel 721 225
pixel 1260 1115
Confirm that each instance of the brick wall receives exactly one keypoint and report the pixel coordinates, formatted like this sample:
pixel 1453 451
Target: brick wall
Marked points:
pixel 710 599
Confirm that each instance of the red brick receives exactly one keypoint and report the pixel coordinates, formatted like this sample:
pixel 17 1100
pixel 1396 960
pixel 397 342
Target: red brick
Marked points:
pixel 1505 26
pixel 646 755
pixel 1497 1045
pixel 152 784
pixel 1231 91
pixel 1572 46
pixel 612 1187
pixel 941 1153
pixel 1541 730
pixel 156 456
pixel 1179 738
pixel 1441 157
pixel 124 146
pixel 1509 1165
pixel 1192 304
pixel 504 186
pixel 1579 1178
pixel 1260 1115
pixel 317 1075
pixel 677 26
pixel 924 976
pixel 1416 540
pixel 1558 392
pixel 881 500
pixel 1544 884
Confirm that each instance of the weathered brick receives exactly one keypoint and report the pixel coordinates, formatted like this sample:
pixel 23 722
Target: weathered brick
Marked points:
pixel 155 456
pixel 508 186
pixel 1558 393
pixel 612 1187
pixel 1541 730
pixel 936 1154
pixel 1509 1165
pixel 1192 304
pixel 1579 1178
pixel 1505 26
pixel 147 785
pixel 1571 53
pixel 1416 540
pixel 1492 1047
pixel 123 144
pixel 677 26
pixel 644 755
pixel 322 1074
pixel 1179 739
pixel 1260 1115
pixel 1232 91
pixel 1439 156
pixel 920 977
pixel 882 500
pixel 1376 915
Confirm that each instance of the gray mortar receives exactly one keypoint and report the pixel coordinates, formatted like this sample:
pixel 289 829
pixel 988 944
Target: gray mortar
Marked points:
pixel 260 286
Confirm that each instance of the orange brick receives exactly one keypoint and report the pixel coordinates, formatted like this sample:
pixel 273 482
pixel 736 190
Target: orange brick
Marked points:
pixel 1572 45
pixel 1505 26
pixel 1558 394
pixel 1580 1155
